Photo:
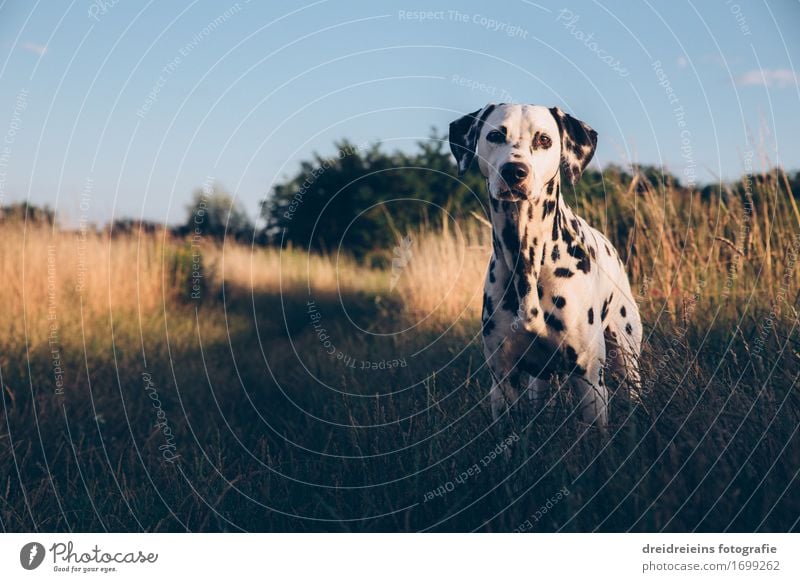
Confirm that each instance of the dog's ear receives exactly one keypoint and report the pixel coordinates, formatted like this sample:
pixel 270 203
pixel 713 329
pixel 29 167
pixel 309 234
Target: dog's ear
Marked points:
pixel 578 142
pixel 464 133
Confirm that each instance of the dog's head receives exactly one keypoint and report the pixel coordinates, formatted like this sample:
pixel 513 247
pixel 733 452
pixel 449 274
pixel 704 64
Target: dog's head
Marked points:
pixel 521 147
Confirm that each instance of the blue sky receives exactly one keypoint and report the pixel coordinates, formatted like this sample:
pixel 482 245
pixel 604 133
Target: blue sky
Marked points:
pixel 129 106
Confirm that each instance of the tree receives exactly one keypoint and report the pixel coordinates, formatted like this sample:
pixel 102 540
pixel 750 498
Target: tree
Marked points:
pixel 365 199
pixel 213 212
pixel 27 212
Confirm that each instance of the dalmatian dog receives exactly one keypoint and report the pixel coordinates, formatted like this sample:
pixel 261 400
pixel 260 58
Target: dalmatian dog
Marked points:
pixel 556 297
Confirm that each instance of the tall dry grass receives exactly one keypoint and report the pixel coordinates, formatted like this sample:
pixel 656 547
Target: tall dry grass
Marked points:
pixel 245 269
pixel 442 282
pixel 79 282
pixel 728 250
pixel 56 278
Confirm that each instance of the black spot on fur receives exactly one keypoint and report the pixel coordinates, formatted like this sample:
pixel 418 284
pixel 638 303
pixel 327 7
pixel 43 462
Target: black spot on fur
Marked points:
pixel 566 236
pixel 488 323
pixel 608 250
pixel 534 311
pixel 585 264
pixel 577 252
pixel 510 302
pixel 521 266
pixel 552 321
pixel 572 355
pixel 592 253
pixel 572 361
pixel 628 329
pixel 556 254
pixel 559 301
pixel 606 303
pixel 523 286
pixel 547 208
pixel 498 249
pixel 562 272
pixel 591 315
pixel 622 311
pixel 539 291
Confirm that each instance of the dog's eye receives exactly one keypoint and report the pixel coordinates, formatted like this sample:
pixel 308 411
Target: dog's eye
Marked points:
pixel 496 136
pixel 543 141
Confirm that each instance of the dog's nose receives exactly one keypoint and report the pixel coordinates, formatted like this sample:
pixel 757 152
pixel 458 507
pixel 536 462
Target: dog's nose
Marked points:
pixel 514 172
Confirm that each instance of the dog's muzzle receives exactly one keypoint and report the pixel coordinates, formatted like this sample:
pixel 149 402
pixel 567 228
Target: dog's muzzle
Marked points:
pixel 514 175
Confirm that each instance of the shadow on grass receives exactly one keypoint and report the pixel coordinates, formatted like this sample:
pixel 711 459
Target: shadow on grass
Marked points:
pixel 263 416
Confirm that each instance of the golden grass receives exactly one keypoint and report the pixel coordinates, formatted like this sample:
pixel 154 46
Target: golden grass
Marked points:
pixel 246 269
pixel 79 283
pixel 679 249
pixel 443 280
pixel 732 251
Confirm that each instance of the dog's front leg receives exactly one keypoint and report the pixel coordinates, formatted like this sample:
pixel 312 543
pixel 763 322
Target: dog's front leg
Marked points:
pixel 504 392
pixel 502 395
pixel 592 395
pixel 537 391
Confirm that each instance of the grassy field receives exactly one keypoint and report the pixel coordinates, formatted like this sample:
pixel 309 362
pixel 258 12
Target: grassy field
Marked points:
pixel 282 391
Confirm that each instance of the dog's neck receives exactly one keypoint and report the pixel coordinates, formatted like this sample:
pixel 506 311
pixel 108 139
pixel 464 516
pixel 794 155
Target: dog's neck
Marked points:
pixel 523 234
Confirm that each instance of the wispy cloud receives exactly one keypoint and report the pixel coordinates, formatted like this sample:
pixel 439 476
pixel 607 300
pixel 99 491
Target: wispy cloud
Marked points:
pixel 681 62
pixel 35 48
pixel 767 78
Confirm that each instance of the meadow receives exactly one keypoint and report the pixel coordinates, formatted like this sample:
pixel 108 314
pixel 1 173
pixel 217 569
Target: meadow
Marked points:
pixel 151 383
